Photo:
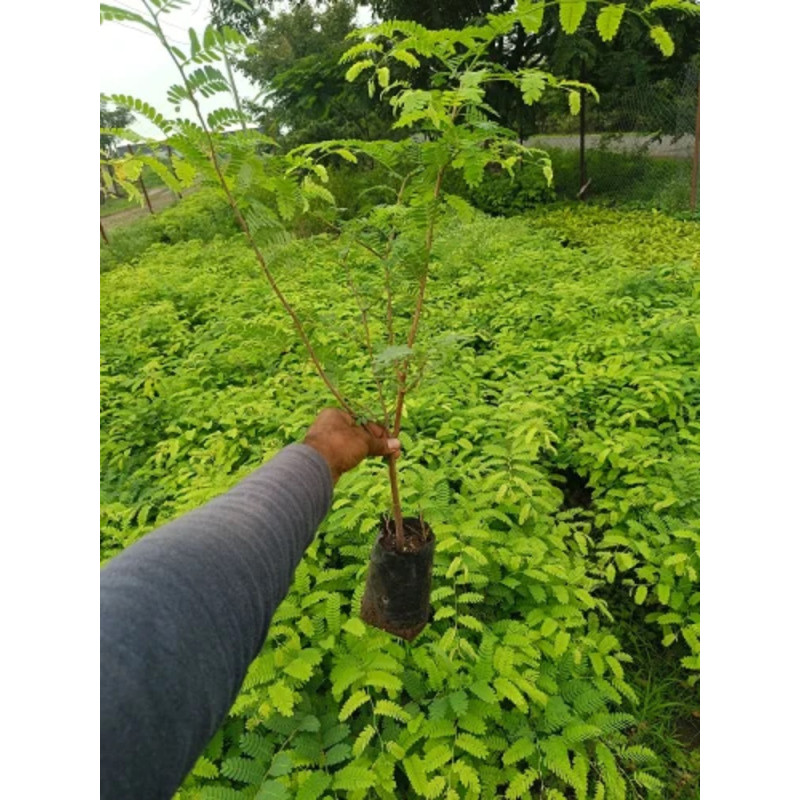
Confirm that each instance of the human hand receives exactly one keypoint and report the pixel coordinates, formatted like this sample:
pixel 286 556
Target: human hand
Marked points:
pixel 344 444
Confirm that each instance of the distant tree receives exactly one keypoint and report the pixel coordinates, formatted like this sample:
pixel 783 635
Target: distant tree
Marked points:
pixel 110 118
pixel 437 14
pixel 295 60
pixel 630 60
pixel 119 117
pixel 238 14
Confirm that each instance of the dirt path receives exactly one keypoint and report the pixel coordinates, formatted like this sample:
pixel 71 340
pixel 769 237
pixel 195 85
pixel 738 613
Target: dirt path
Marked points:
pixel 160 198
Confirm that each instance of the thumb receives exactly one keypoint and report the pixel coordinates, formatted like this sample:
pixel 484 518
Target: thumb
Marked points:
pixel 381 445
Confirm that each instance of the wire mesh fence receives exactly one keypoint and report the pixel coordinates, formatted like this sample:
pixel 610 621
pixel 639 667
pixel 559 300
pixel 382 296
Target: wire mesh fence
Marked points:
pixel 643 150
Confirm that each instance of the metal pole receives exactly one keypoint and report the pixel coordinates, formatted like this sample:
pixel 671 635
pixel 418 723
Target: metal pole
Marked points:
pixel 143 187
pixel 696 159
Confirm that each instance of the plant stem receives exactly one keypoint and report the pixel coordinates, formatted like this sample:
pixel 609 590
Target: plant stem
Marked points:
pixel 234 90
pixel 403 376
pixel 368 340
pixel 386 273
pixel 243 223
pixel 412 334
pixel 397 511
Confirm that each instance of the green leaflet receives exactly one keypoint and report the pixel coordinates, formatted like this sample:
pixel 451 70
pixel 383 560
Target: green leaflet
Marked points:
pixel 282 698
pixel 506 689
pixel 686 6
pixel 363 740
pixel 531 15
pixel 415 772
pixel 281 765
pixel 662 39
pixel 609 19
pixel 356 69
pixel 313 786
pixel 243 770
pixel 272 790
pixel 521 749
pixel 561 643
pixel 532 85
pixel 390 709
pixel 205 768
pixel 352 703
pixel 471 745
pixel 353 776
pixel 521 783
pixel 406 57
pixel 570 14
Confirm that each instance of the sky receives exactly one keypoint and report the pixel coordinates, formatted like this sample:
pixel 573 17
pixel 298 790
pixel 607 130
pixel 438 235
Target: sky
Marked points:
pixel 133 62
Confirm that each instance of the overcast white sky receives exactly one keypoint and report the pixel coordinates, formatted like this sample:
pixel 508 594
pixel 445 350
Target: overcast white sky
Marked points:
pixel 133 62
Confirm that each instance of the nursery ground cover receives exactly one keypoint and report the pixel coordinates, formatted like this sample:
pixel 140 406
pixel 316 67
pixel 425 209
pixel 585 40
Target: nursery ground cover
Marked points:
pixel 552 447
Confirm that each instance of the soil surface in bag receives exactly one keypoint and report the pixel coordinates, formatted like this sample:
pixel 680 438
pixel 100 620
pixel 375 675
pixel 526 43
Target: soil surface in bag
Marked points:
pixel 397 598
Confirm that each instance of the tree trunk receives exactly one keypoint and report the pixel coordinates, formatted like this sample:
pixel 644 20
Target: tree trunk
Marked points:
pixel 696 158
pixel 582 187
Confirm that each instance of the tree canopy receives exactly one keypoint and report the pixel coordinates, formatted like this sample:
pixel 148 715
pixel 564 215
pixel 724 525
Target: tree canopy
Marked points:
pixel 294 57
pixel 118 117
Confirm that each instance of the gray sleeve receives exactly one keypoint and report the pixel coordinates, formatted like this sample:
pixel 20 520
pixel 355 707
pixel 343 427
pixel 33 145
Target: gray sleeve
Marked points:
pixel 185 610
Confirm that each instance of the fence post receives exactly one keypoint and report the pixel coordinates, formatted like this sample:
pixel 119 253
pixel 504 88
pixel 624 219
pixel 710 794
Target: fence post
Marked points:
pixel 582 157
pixel 142 186
pixel 696 158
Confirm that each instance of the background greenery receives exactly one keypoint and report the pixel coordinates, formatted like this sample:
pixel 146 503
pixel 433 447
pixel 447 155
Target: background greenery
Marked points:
pixel 554 450
pixel 296 46
pixel 553 446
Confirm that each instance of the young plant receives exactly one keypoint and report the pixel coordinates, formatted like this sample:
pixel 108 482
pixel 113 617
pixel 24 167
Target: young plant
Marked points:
pixel 451 128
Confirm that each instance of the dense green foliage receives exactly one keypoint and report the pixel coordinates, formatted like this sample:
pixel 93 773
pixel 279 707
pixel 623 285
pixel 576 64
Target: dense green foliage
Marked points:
pixel 552 445
pixel 294 58
pixel 202 215
pixel 554 450
pixel 119 117
pixel 614 64
pixel 630 180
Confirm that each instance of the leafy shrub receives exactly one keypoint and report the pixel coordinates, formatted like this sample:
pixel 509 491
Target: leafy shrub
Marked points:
pixel 623 180
pixel 200 215
pixel 502 194
pixel 626 180
pixel 554 454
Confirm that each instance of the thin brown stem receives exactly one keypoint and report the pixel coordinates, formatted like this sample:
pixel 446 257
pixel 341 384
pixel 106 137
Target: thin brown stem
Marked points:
pixel 368 340
pixel 386 274
pixel 387 280
pixel 336 229
pixel 412 333
pixel 245 227
pixel 403 375
pixel 396 508
pixel 234 90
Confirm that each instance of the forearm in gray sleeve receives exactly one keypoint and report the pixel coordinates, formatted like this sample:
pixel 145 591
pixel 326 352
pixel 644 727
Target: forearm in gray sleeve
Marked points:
pixel 185 610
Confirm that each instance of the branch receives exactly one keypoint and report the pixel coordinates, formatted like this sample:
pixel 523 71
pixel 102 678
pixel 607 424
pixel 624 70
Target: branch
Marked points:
pixel 368 339
pixel 412 333
pixel 243 222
